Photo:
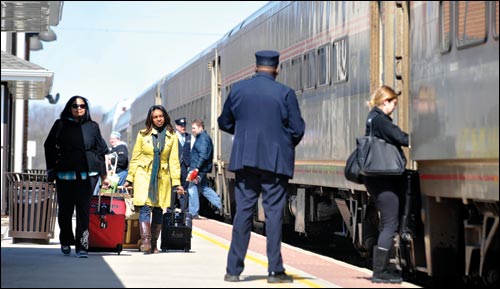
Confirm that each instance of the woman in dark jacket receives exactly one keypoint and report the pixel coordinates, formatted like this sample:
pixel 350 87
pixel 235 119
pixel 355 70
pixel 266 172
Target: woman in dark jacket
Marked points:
pixel 385 189
pixel 74 155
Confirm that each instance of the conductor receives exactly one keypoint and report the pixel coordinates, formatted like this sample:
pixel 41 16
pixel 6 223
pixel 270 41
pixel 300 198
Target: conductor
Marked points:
pixel 265 119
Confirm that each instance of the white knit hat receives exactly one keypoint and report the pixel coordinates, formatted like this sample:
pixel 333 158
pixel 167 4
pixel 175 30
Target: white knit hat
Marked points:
pixel 116 134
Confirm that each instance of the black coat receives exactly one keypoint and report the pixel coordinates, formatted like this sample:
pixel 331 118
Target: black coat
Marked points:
pixel 185 158
pixel 384 128
pixel 265 118
pixel 75 146
pixel 122 152
pixel 185 151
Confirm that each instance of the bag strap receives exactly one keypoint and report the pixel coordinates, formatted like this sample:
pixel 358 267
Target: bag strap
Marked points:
pixel 371 127
pixel 370 123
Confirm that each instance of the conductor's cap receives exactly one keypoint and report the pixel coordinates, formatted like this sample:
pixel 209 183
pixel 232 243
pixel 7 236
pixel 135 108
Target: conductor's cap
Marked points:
pixel 181 121
pixel 267 57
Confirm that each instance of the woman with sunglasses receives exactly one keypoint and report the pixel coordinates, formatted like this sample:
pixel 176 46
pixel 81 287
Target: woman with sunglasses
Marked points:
pixel 74 155
pixel 386 190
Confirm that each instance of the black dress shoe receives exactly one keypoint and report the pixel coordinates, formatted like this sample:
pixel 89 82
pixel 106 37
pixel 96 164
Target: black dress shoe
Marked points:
pixel 279 277
pixel 231 278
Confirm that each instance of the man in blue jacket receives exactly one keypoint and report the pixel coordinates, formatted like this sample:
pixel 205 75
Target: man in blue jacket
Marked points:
pixel 202 155
pixel 265 119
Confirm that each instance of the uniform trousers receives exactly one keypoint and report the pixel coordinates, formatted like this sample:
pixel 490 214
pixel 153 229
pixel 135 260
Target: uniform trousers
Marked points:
pixel 183 199
pixel 249 184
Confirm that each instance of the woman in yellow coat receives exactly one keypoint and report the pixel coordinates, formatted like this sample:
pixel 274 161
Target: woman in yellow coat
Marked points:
pixel 153 170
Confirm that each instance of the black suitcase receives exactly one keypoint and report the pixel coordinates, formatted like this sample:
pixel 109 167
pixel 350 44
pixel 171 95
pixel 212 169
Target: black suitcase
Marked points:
pixel 411 228
pixel 176 230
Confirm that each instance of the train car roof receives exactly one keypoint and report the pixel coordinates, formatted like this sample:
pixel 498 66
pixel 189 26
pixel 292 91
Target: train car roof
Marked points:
pixel 269 6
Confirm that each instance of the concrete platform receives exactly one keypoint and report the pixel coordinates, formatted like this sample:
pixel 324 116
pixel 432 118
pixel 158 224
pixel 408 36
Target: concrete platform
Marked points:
pixel 35 266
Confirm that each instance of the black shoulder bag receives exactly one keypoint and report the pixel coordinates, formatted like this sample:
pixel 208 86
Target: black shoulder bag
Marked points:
pixel 376 157
pixel 351 171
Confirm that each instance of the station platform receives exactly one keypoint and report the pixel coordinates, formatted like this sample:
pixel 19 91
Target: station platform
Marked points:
pixel 32 265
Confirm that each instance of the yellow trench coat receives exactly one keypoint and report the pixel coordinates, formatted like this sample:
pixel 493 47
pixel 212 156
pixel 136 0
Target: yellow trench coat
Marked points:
pixel 141 165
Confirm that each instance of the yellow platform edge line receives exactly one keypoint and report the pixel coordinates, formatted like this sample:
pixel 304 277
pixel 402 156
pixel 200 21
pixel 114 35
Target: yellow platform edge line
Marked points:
pixel 252 258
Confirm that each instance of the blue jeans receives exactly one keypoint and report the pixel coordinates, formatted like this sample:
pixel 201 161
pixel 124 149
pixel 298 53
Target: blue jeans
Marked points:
pixel 194 201
pixel 145 214
pixel 123 177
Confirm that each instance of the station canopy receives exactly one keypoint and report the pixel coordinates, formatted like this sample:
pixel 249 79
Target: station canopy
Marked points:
pixel 25 79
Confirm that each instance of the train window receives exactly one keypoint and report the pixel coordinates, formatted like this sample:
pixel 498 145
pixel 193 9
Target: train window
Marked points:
pixel 284 72
pixel 323 64
pixel 309 69
pixel 471 23
pixel 495 18
pixel 340 60
pixel 296 74
pixel 445 26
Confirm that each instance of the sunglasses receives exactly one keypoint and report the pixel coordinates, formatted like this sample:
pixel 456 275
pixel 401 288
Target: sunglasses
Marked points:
pixel 75 106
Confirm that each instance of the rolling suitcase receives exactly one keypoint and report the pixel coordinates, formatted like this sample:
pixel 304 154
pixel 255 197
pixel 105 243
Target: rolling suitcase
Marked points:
pixel 107 219
pixel 408 242
pixel 176 229
pixel 107 224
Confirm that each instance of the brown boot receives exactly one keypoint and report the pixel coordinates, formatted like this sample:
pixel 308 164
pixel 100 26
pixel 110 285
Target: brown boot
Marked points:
pixel 155 233
pixel 145 229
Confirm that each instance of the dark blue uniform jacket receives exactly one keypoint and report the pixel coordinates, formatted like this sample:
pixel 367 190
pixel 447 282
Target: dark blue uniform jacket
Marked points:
pixel 265 118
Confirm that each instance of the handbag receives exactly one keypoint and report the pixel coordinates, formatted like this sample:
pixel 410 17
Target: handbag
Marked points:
pixel 130 212
pixel 351 170
pixel 376 157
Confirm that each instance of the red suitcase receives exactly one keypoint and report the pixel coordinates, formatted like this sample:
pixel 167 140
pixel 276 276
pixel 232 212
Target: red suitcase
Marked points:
pixel 107 224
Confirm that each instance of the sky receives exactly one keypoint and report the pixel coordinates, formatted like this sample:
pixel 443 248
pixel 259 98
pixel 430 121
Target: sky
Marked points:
pixel 112 51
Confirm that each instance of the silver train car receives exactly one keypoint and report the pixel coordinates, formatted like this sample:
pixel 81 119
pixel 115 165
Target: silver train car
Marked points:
pixel 443 59
pixel 136 115
pixel 116 119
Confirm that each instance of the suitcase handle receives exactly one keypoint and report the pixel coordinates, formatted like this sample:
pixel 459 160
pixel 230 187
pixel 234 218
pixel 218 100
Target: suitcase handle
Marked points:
pixel 125 195
pixel 172 206
pixel 111 161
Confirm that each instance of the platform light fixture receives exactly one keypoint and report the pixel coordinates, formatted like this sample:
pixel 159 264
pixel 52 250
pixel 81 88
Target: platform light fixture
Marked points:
pixel 35 43
pixel 48 35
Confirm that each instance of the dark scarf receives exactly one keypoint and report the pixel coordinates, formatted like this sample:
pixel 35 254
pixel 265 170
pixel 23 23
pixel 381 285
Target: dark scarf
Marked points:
pixel 158 144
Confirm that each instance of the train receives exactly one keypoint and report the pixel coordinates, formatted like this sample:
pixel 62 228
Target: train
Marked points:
pixel 442 57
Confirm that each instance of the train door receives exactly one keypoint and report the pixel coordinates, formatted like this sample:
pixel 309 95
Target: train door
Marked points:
pixel 390 62
pixel 390 54
pixel 215 110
